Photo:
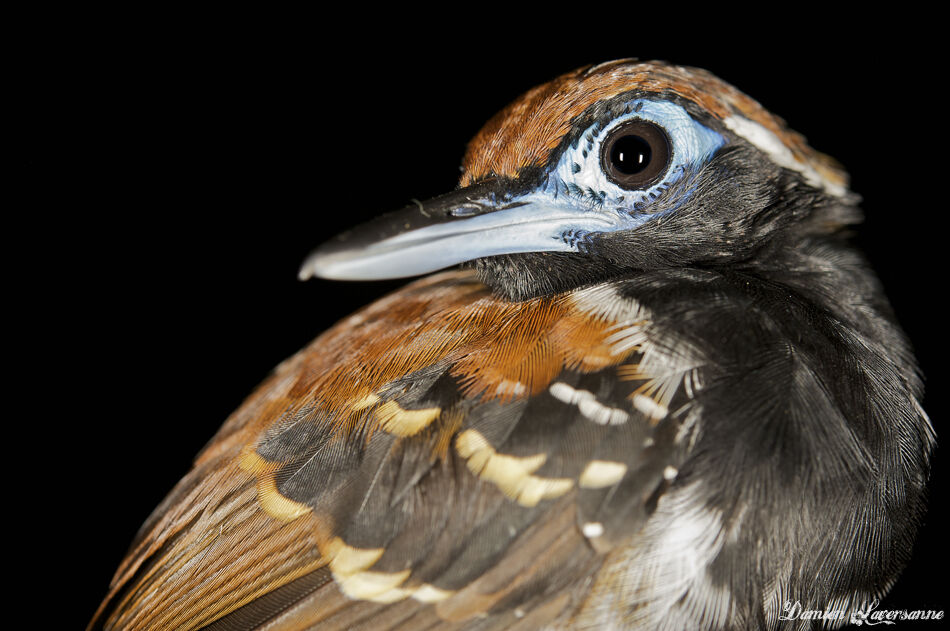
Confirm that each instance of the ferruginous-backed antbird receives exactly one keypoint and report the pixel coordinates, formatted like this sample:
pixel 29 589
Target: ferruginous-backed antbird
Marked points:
pixel 656 388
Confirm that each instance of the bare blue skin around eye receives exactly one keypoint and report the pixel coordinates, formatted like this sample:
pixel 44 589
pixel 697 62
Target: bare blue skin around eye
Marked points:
pixel 577 199
pixel 579 172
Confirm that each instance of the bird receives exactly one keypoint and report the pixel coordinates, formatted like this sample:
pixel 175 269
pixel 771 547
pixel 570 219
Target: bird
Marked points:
pixel 644 381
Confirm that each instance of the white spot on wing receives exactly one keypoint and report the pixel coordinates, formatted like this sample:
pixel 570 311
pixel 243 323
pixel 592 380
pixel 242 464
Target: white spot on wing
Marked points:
pixel 649 407
pixel 593 529
pixel 588 404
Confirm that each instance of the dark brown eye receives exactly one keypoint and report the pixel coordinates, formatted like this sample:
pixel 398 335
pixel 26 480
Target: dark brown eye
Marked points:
pixel 635 154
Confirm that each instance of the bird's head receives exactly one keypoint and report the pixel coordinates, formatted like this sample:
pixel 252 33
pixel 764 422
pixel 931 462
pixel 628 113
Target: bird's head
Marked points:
pixel 618 167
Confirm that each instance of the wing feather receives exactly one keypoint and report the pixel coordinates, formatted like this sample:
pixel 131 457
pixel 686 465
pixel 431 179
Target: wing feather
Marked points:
pixel 442 487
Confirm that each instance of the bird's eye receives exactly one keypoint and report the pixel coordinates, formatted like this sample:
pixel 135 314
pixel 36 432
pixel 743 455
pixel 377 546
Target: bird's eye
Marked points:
pixel 635 154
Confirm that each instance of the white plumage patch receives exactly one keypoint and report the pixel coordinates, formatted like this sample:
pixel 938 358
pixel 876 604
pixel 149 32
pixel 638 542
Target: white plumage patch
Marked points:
pixel 664 367
pixel 593 529
pixel 603 301
pixel 588 404
pixel 662 581
pixel 649 407
pixel 770 144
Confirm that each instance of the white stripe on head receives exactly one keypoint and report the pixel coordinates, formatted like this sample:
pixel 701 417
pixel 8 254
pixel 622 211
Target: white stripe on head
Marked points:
pixel 770 144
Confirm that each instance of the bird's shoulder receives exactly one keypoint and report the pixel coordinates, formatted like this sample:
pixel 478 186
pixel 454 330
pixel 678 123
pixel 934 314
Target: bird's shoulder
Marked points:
pixel 425 449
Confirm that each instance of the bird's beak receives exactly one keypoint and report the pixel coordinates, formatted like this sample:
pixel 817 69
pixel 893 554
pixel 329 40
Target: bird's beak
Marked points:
pixel 485 219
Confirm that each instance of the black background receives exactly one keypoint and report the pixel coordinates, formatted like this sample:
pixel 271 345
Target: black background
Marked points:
pixel 179 168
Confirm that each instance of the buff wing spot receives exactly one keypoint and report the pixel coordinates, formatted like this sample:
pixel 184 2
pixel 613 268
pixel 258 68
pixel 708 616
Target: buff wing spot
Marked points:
pixel 513 475
pixel 351 570
pixel 600 474
pixel 269 498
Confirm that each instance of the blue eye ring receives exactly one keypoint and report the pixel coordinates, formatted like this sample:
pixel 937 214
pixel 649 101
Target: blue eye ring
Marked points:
pixel 636 154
